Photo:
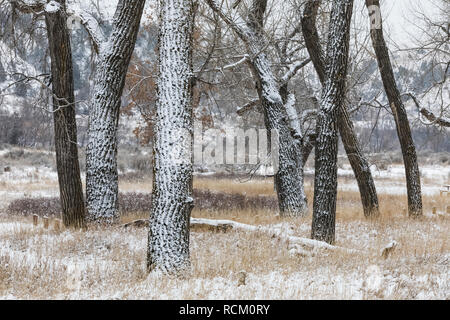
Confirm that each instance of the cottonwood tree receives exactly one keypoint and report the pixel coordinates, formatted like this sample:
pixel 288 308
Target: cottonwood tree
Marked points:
pixel 398 109
pixel 289 176
pixel 66 147
pixel 101 155
pixel 325 186
pixel 65 126
pixel 358 161
pixel 172 201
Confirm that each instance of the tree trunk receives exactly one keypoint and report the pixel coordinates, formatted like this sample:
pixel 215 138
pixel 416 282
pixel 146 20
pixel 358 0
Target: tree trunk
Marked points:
pixel 289 180
pixel 101 153
pixel 400 116
pixel 360 165
pixel 355 156
pixel 66 147
pixel 172 201
pixel 325 186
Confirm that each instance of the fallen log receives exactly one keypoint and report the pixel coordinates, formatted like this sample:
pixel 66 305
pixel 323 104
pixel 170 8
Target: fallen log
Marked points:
pixel 225 225
pixel 198 224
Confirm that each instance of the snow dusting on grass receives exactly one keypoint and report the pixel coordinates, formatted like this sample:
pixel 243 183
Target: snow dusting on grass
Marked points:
pixel 110 263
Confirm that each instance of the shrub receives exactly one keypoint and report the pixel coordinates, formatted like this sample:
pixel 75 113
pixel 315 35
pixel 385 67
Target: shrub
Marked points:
pixel 141 202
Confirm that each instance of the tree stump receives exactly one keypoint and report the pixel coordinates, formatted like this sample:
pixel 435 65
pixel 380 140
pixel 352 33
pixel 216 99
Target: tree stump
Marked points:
pixel 387 251
pixel 242 277
pixel 35 219
pixel 57 225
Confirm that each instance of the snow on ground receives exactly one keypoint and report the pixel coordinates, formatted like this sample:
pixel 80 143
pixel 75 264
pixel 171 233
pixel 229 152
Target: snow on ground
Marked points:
pixel 110 264
pixel 392 180
pixel 25 182
pixel 42 181
pixel 4 152
pixel 28 175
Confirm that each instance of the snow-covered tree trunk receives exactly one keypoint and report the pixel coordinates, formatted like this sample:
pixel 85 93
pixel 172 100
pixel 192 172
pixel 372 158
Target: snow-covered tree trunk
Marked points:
pixel 172 201
pixel 355 156
pixel 325 186
pixel 101 153
pixel 65 125
pixel 289 180
pixel 400 115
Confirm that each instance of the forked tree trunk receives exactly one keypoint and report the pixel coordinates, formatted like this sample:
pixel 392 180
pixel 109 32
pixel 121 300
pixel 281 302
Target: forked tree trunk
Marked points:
pixel 399 111
pixel 172 201
pixel 101 153
pixel 66 147
pixel 325 186
pixel 289 180
pixel 357 160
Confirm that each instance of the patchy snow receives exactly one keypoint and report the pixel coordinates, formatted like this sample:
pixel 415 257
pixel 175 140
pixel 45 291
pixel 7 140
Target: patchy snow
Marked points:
pixel 28 175
pixel 392 180
pixel 86 269
pixel 52 7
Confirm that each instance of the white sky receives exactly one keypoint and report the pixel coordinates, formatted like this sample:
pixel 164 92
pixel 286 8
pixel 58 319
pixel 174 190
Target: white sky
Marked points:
pixel 400 18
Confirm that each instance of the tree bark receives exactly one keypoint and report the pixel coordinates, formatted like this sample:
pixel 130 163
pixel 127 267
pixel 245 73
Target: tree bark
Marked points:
pixel 101 153
pixel 289 180
pixel 355 156
pixel 325 186
pixel 401 118
pixel 66 147
pixel 172 201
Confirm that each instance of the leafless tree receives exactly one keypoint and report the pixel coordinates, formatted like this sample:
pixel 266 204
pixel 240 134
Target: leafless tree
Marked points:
pixel 356 158
pixel 65 126
pixel 325 186
pixel 172 202
pixel 399 112
pixel 433 45
pixel 289 177
pixel 101 154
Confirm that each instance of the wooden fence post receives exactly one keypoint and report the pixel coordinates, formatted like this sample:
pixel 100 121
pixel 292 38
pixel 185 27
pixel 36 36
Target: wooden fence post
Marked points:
pixel 57 226
pixel 45 222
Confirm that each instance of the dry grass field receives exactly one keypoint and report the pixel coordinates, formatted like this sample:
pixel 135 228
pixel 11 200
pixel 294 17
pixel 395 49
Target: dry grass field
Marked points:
pixel 109 263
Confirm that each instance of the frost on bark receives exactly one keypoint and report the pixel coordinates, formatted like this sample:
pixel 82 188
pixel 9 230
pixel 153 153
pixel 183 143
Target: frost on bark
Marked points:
pixel 101 153
pixel 289 180
pixel 357 160
pixel 401 118
pixel 65 125
pixel 172 201
pixel 325 185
